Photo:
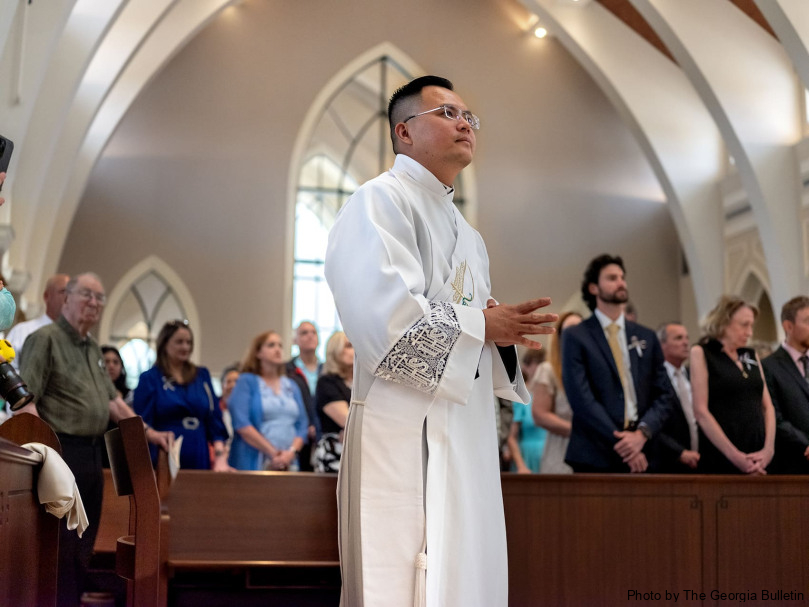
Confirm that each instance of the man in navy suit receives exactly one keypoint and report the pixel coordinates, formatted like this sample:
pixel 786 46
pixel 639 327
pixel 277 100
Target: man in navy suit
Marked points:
pixel 614 379
pixel 785 372
pixel 678 441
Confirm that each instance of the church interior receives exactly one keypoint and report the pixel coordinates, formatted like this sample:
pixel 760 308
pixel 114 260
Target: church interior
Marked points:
pixel 194 153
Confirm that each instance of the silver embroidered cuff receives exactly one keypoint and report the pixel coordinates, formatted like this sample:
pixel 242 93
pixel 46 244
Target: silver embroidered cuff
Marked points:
pixel 419 358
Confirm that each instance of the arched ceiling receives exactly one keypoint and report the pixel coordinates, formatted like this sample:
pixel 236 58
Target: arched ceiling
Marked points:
pixel 689 94
pixel 627 13
pixel 733 91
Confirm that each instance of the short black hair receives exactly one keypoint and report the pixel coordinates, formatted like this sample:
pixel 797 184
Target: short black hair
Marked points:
pixel 592 273
pixel 408 91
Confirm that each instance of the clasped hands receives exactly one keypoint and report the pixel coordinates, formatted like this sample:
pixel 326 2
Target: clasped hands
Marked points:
pixel 630 448
pixel 507 325
pixel 282 459
pixel 753 463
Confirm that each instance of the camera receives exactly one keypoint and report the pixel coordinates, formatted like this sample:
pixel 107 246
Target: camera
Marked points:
pixel 12 387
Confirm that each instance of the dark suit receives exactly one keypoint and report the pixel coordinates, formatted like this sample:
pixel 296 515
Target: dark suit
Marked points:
pixel 790 397
pixel 673 440
pixel 593 387
pixel 296 375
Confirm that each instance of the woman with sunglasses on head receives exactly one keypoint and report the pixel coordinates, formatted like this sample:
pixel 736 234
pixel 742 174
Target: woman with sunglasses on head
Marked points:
pixel 177 395
pixel 266 406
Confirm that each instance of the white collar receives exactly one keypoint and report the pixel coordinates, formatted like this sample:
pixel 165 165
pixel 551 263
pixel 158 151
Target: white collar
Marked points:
pixel 606 321
pixel 422 175
pixel 671 368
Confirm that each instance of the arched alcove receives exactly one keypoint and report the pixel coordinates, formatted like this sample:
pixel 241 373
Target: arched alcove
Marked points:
pixel 345 141
pixel 766 327
pixel 148 296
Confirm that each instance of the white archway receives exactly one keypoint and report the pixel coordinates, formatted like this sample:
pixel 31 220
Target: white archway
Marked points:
pixel 301 148
pixel 153 264
pixel 66 116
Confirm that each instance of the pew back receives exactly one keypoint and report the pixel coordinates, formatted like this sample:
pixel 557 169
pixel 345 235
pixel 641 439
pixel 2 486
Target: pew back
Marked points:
pixel 29 536
pixel 26 428
pixel 252 519
pixel 138 554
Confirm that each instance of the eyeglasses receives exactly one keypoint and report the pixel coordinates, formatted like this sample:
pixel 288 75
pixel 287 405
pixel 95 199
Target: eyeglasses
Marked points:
pixel 88 295
pixel 453 113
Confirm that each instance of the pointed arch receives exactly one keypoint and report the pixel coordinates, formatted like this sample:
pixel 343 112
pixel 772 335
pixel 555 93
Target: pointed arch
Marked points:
pixel 754 289
pixel 148 295
pixel 343 141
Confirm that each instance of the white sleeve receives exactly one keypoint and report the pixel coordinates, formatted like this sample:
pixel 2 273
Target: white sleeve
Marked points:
pixel 374 267
pixel 504 387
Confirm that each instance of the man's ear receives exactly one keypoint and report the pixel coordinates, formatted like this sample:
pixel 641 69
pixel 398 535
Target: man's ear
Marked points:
pixel 592 288
pixel 402 133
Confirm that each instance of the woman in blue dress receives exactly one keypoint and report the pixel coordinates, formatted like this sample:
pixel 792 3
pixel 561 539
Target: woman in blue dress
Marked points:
pixel 267 411
pixel 526 440
pixel 177 395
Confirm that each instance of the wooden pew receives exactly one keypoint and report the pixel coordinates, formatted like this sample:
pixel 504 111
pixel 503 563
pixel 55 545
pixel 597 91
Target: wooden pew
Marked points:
pixel 572 540
pixel 256 530
pixel 239 519
pixel 597 539
pixel 252 519
pixel 29 536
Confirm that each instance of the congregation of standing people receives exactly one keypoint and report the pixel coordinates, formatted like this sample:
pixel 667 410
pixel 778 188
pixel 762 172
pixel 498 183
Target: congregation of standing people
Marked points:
pixel 719 414
pixel 642 401
pixel 617 397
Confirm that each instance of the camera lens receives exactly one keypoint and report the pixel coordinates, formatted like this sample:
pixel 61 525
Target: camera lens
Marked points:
pixel 13 388
pixel 19 397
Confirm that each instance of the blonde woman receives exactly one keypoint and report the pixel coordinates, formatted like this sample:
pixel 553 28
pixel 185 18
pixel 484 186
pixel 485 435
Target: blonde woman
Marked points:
pixel 731 401
pixel 550 407
pixel 332 397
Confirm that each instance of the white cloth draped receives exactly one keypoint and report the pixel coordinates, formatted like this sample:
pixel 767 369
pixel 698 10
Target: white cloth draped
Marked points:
pixel 57 490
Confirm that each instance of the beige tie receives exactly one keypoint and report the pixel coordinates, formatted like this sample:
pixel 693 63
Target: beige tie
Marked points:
pixel 618 355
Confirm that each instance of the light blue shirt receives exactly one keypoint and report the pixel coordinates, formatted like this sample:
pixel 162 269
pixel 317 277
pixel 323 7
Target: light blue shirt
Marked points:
pixel 311 376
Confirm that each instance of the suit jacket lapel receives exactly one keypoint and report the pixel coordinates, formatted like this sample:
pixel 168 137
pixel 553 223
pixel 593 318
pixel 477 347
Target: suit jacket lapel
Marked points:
pixel 597 333
pixel 786 361
pixel 634 358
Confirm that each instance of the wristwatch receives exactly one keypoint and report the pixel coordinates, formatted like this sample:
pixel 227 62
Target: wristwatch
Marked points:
pixel 644 429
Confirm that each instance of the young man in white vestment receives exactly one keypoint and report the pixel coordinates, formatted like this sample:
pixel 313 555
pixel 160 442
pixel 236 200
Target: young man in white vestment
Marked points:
pixel 419 498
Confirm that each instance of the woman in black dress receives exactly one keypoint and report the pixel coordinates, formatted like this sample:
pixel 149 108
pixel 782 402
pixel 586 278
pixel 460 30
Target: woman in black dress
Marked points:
pixel 731 402
pixel 332 397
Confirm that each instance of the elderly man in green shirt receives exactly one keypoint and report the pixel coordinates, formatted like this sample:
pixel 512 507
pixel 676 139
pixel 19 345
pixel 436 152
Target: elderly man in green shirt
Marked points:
pixel 63 366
